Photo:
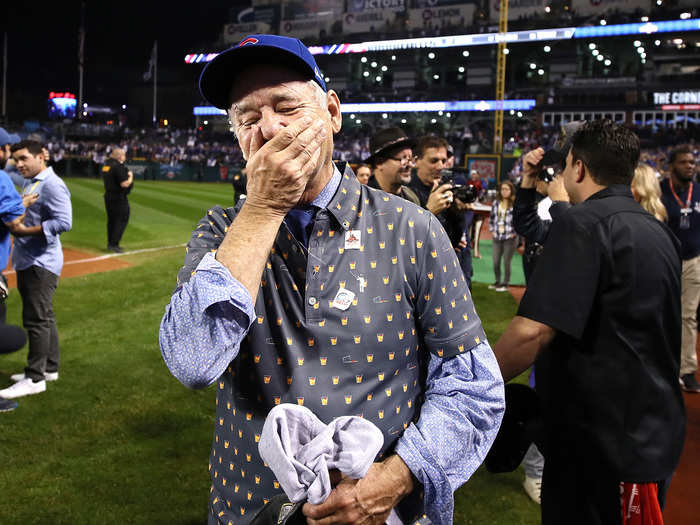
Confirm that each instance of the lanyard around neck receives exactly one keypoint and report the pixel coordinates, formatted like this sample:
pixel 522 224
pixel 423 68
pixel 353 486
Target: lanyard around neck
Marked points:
pixel 687 200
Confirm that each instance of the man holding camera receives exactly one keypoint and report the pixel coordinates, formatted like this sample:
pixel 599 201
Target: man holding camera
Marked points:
pixel 437 195
pixel 601 315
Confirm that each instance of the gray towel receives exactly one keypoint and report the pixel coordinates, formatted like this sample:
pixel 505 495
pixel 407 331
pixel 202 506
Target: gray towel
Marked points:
pixel 300 449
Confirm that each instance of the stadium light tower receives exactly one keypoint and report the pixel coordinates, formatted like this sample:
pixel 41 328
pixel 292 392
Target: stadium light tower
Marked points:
pixel 500 77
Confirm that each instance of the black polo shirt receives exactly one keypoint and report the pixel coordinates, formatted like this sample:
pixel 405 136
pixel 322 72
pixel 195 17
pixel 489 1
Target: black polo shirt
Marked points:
pixel 113 174
pixel 608 281
pixel 452 220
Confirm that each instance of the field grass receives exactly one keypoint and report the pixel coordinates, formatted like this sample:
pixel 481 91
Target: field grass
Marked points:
pixel 117 439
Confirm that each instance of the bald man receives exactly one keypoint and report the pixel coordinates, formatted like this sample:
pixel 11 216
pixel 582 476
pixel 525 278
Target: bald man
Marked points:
pixel 118 183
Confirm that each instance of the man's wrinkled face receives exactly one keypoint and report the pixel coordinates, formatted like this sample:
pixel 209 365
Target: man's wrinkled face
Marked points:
pixel 266 99
pixel 28 165
pixel 431 164
pixel 684 166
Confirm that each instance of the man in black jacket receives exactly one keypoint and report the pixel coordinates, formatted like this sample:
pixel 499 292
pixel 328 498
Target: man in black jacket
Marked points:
pixel 118 183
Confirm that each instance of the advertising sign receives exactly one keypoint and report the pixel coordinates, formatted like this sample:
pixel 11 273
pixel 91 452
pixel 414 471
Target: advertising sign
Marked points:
pixel 358 6
pixel 234 33
pixel 366 21
pixel 440 16
pixel 306 28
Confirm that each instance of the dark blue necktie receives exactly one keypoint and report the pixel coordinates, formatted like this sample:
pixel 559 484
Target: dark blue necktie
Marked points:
pixel 300 221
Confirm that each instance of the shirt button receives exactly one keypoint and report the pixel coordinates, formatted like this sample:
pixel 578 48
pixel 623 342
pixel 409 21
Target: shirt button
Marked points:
pixel 312 301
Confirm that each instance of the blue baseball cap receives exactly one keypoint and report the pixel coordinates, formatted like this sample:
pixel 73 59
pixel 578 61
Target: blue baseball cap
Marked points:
pixel 219 75
pixel 14 138
pixel 5 137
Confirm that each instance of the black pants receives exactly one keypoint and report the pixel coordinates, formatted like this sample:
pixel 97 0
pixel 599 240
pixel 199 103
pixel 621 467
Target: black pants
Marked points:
pixel 37 286
pixel 117 218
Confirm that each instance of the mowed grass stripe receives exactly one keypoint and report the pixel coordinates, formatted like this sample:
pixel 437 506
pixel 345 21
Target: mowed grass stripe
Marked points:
pixel 180 198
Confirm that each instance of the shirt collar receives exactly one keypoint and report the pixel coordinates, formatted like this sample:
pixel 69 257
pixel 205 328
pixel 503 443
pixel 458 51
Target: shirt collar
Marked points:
pixel 620 190
pixel 345 205
pixel 324 198
pixel 43 174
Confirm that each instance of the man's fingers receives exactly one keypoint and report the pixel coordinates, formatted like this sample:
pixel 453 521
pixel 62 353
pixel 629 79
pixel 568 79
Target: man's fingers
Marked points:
pixel 255 143
pixel 287 134
pixel 307 142
pixel 443 187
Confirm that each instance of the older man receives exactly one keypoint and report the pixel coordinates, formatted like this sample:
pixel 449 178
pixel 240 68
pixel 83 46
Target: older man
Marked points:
pixel 392 159
pixel 318 291
pixel 118 180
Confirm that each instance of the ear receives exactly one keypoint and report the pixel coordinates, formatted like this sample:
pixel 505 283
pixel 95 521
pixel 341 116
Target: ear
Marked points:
pixel 580 171
pixel 333 104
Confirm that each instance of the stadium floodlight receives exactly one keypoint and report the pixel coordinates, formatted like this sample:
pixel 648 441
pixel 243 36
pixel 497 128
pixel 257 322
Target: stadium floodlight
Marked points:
pixel 358 121
pixel 363 60
pixel 378 78
pixel 547 49
pixel 603 22
pixel 643 55
pixel 520 113
pixel 595 52
pixel 657 42
pixel 465 53
pixel 547 9
pixel 659 2
pixel 448 114
pixel 533 65
pixel 123 106
pixel 599 58
pixel 452 106
pixel 433 121
pixel 436 77
pixel 591 46
pixel 461 69
pixel 206 122
pixel 431 55
pixel 608 62
pixel 540 72
pixel 384 68
pixel 640 50
pixel 685 16
pixel 385 115
pixel 645 19
pixel 637 43
pixel 393 57
pixel 505 51
pixel 327 79
pixel 365 74
pixel 403 121
pixel 373 64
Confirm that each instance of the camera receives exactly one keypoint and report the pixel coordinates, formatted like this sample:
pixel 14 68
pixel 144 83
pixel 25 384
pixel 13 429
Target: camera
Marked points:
pixel 464 192
pixel 547 174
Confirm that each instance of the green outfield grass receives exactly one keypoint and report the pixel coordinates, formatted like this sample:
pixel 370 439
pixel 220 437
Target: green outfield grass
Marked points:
pixel 117 439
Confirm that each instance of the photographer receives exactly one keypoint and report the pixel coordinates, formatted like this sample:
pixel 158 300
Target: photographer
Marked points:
pixel 532 219
pixel 601 315
pixel 435 187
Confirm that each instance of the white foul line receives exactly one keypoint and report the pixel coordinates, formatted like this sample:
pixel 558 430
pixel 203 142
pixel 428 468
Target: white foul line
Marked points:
pixel 110 255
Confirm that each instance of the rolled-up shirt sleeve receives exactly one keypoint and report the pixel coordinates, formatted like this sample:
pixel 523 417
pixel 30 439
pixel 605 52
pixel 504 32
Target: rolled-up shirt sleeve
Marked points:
pixel 61 212
pixel 458 422
pixel 207 318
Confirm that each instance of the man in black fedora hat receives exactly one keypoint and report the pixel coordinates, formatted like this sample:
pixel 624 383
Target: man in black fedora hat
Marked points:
pixel 391 160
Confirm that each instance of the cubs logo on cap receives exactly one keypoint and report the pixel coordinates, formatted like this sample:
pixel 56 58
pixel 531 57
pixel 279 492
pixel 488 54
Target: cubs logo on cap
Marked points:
pixel 220 74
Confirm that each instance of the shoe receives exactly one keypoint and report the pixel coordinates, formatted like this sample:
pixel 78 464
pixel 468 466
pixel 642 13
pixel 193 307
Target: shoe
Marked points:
pixel 494 286
pixel 533 488
pixel 25 387
pixel 6 405
pixel 49 376
pixel 502 288
pixel 115 249
pixel 690 384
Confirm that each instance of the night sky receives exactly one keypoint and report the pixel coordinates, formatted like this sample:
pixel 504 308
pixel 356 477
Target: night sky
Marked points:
pixel 43 46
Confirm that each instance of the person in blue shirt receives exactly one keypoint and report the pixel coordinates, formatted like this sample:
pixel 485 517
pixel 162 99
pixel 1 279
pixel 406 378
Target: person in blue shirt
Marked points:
pixel 38 260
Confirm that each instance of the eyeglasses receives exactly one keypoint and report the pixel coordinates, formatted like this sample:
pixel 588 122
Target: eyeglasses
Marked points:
pixel 404 160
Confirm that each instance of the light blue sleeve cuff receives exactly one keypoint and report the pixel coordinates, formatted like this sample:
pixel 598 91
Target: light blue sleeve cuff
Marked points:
pixel 215 285
pixel 458 422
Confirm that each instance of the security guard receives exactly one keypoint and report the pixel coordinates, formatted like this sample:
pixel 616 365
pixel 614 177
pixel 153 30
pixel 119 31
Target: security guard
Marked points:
pixel 118 183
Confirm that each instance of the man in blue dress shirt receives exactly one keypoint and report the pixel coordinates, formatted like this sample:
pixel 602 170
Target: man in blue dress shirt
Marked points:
pixel 319 291
pixel 38 260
